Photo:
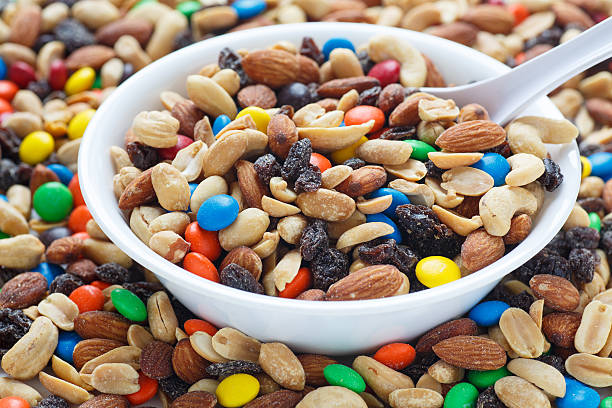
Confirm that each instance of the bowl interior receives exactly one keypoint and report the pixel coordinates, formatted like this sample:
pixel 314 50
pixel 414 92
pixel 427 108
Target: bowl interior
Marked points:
pixel 458 64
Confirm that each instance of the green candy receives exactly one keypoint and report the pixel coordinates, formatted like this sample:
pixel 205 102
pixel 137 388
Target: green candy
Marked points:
pixel 97 83
pixel 4 235
pixel 343 376
pixel 53 201
pixel 484 379
pixel 606 403
pixel 595 221
pixel 189 7
pixel 462 395
pixel 420 149
pixel 141 2
pixel 129 305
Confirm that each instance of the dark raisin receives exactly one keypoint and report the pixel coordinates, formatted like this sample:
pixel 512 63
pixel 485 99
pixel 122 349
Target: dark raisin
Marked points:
pixel 42 40
pixel 52 159
pixel 606 242
pixel 50 235
pixel 8 174
pixel 314 240
pixel 552 177
pixel 182 39
pixel 310 49
pixel 399 133
pixel 328 268
pixel 425 234
pixel 53 401
pixel 386 251
pixel 545 262
pixel 182 313
pixel 583 237
pixel 297 160
pixel 521 300
pixel 144 290
pixel 65 283
pixel 267 167
pixel 355 163
pixel 14 324
pixel 230 60
pixel 41 88
pixel 587 149
pixel 488 399
pixel 559 244
pixel 73 34
pixel 369 96
pixel 173 387
pixel 309 180
pixel 365 61
pixel 433 170
pixel 583 262
pixel 555 361
pixel 113 273
pixel 128 71
pixel 295 94
pixel 142 156
pixel 224 370
pixel 9 144
pixel 415 371
pixel 502 149
pixel 7 274
pixel 23 173
pixel 237 277
pixel 551 36
pixel 592 204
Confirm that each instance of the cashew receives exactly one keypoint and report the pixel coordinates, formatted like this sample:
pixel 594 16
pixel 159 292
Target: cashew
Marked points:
pixel 420 194
pixel 498 206
pixel 467 181
pixel 363 233
pixel 529 133
pixel 461 225
pixel 446 199
pixel 537 190
pixel 526 168
pixel 332 139
pixel 413 67
pixel 445 160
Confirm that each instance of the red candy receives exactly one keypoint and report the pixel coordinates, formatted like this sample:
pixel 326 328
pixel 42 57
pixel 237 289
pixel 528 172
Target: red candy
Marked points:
pixel 299 284
pixel 5 106
pixel 88 298
pixel 195 325
pixel 200 265
pixel 320 161
pixel 395 355
pixel 387 72
pixel 202 241
pixel 519 11
pixel 58 75
pixel 148 389
pixel 21 74
pixel 14 402
pixel 169 153
pixel 75 189
pixel 8 89
pixel 78 219
pixel 363 113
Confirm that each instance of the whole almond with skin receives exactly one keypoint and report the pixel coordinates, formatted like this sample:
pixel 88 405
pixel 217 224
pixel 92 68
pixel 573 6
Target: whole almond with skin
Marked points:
pixel 251 186
pixel 156 360
pixel 434 77
pixel 390 97
pixel 188 114
pixel 458 327
pixel 138 28
pixel 407 112
pixel 494 19
pixel 372 282
pixel 257 95
pixel 274 68
pixel 282 134
pixel 363 181
pixel 560 328
pixel 520 226
pixel 89 56
pixel 471 352
pixel 600 109
pixel 25 25
pixel 41 175
pixel 24 290
pixel 471 136
pixel 313 365
pixel 567 13
pixel 103 325
pixel 338 87
pixel 458 31
pixel 245 257
pixel 277 399
pixel 308 70
pixel 84 269
pixel 187 364
pixel 64 250
pixel 195 399
pixel 140 191
pixel 481 249
pixel 89 349
pixel 558 293
pixel 107 401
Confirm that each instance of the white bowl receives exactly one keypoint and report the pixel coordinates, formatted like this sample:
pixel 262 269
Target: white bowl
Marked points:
pixel 320 327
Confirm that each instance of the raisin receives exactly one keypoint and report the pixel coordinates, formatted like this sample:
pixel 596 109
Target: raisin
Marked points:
pixel 142 156
pixel 144 290
pixel 7 274
pixel 521 300
pixel 53 401
pixel 128 71
pixel 583 237
pixel 559 244
pixel 555 361
pixel 230 60
pixel 309 180
pixel 587 149
pixel 23 173
pixel 296 95
pixel 354 163
pixel 50 235
pixel 552 177
pixel 314 240
pixel 386 251
pixel 113 273
pixel 433 170
pixel 583 261
pixel 73 34
pixel 369 96
pixel 606 242
pixel 545 262
pixel 399 133
pixel 365 61
pixel 182 313
pixel 9 144
pixel 182 40
pixel 14 324
pixel 65 283
pixel 298 159
pixel 328 268
pixel 237 277
pixel 592 204
pixel 310 49
pixel 488 399
pixel 173 386
pixel 223 370
pixel 415 371
pixel 41 88
pixel 42 40
pixel 502 149
pixel 551 36
pixel 8 174
pixel 424 232
pixel 267 167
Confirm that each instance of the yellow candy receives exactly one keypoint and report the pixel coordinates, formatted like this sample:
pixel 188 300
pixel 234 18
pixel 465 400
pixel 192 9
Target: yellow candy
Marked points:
pixel 259 116
pixel 586 166
pixel 342 155
pixel 36 147
pixel 437 270
pixel 78 124
pixel 237 390
pixel 80 81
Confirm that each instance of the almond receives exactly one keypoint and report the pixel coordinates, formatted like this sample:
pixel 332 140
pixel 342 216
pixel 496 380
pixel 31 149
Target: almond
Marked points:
pixel 103 325
pixel 250 185
pixel 64 250
pixel 558 293
pixel 519 229
pixel 471 352
pixel 89 56
pixel 245 257
pixel 494 19
pixel 84 269
pixel 434 77
pixel 274 68
pixel 138 28
pixel 89 349
pixel 195 399
pixel 560 328
pixel 407 112
pixel 458 327
pixel 41 175
pixel 257 95
pixel 372 282
pixel 390 97
pixel 481 249
pixel 282 134
pixel 24 290
pixel 187 364
pixel 188 114
pixel 156 360
pixel 338 87
pixel 308 70
pixel 314 364
pixel 567 13
pixel 472 136
pixel 601 110
pixel 458 31
pixel 25 25
pixel 140 191
pixel 107 401
pixel 277 399
pixel 363 181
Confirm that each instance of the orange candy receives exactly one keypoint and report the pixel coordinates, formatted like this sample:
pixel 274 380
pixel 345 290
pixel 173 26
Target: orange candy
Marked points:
pixel 8 89
pixel 299 284
pixel 148 389
pixel 363 113
pixel 5 106
pixel 78 219
pixel 395 355
pixel 100 285
pixel 200 265
pixel 14 402
pixel 75 189
pixel 320 161
pixel 81 235
pixel 519 58
pixel 377 134
pixel 88 298
pixel 202 241
pixel 195 325
pixel 519 11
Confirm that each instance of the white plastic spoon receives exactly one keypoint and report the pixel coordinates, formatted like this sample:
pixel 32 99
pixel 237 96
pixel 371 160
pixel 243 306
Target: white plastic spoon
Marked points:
pixel 506 95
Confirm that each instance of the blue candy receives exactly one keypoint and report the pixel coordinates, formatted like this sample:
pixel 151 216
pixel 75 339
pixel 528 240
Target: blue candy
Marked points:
pixel 249 8
pixel 62 172
pixel 396 235
pixel 487 314
pixel 336 42
pixel 65 345
pixel 398 199
pixel 220 123
pixel 3 69
pixel 49 271
pixel 601 164
pixel 218 212
pixel 578 395
pixel 495 165
pixel 3 197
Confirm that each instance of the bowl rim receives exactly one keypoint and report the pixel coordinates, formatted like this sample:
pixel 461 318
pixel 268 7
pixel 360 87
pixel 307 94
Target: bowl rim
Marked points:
pixel 167 270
